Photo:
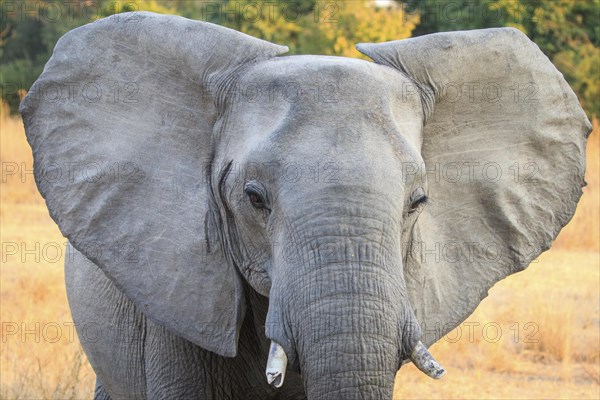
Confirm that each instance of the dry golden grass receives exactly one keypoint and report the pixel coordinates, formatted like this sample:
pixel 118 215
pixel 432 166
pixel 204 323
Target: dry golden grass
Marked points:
pixel 558 296
pixel 546 345
pixel 43 358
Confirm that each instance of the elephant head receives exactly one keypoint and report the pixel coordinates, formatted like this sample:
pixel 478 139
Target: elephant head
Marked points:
pixel 373 203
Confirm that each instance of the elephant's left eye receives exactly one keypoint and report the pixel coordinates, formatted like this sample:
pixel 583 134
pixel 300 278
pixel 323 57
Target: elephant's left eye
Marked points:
pixel 255 194
pixel 417 198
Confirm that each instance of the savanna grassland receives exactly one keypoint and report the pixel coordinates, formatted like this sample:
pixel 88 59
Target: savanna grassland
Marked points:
pixel 537 335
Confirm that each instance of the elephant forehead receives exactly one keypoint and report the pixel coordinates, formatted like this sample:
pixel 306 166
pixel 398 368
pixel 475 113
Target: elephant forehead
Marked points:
pixel 319 98
pixel 323 82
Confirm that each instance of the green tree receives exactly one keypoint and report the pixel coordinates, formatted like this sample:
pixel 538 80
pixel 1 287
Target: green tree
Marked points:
pixel 30 29
pixel 445 15
pixel 318 27
pixel 569 33
pixel 341 25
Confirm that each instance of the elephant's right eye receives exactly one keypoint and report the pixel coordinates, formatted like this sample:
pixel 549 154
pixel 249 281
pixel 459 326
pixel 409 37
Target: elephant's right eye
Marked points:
pixel 255 194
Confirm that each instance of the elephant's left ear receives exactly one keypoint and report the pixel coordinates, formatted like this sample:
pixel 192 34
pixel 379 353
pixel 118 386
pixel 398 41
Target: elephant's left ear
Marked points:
pixel 121 123
pixel 504 149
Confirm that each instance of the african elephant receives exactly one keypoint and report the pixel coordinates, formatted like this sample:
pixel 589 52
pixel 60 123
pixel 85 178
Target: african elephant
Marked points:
pixel 324 219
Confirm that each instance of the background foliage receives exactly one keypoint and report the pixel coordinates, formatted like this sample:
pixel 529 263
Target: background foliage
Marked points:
pixel 568 31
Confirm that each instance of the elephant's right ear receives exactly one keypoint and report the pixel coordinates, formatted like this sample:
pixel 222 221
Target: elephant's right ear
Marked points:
pixel 503 146
pixel 121 127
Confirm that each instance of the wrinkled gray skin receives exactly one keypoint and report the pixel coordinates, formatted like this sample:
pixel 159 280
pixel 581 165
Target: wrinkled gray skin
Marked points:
pixel 328 265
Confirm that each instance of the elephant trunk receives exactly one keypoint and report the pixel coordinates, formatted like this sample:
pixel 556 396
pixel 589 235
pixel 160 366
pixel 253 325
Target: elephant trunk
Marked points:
pixel 339 306
pixel 346 325
pixel 348 349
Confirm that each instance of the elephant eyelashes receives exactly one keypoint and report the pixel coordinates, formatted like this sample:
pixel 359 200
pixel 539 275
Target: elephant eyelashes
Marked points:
pixel 256 194
pixel 417 198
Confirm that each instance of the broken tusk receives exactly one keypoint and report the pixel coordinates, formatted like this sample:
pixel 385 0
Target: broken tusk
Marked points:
pixel 276 365
pixel 423 360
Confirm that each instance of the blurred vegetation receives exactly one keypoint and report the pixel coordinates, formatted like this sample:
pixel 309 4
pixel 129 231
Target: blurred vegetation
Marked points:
pixel 568 31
